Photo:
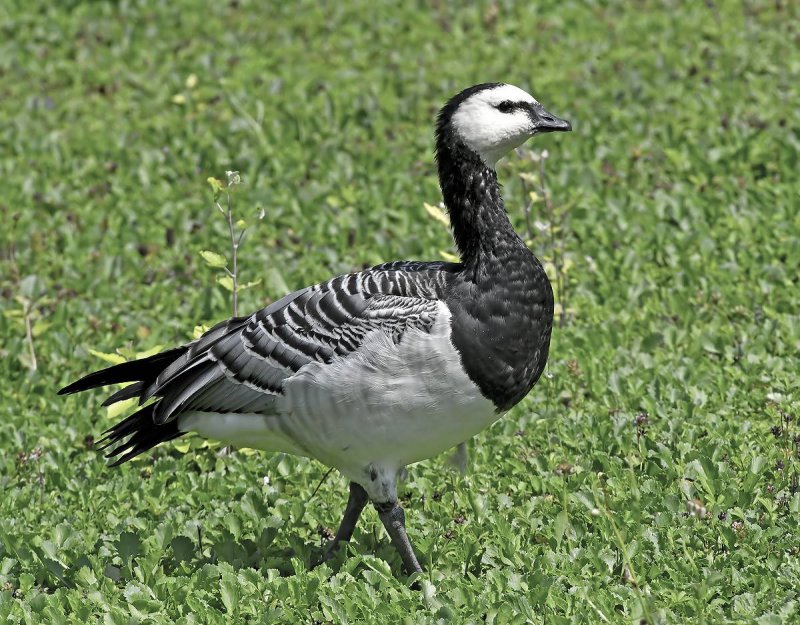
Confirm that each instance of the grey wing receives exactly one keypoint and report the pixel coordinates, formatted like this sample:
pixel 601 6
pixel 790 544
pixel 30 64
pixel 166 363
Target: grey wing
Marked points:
pixel 244 370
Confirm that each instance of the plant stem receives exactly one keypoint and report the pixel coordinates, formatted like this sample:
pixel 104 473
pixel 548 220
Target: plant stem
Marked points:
pixel 234 254
pixel 321 482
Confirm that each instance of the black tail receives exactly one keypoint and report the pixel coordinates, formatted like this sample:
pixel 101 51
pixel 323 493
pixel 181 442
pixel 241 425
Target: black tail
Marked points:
pixel 144 434
pixel 151 377
pixel 140 430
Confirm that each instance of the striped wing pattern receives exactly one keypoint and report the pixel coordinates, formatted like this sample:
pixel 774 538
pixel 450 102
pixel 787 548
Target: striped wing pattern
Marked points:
pixel 243 370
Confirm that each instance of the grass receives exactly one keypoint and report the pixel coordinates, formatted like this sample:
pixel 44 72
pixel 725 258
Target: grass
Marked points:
pixel 651 476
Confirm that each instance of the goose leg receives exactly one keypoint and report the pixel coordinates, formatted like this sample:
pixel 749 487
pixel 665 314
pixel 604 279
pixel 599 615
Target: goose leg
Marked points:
pixel 394 520
pixel 355 504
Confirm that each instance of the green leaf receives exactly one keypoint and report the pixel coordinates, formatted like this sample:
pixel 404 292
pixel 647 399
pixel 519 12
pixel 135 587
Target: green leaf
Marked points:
pixel 149 352
pixel 182 446
pixel 115 617
pixel 560 525
pixel 85 577
pixel 40 327
pixel 218 261
pixel 128 546
pixel 14 313
pixel 120 407
pixel 26 582
pixel 757 464
pixel 437 213
pixel 216 186
pixel 249 285
pixel 226 282
pixel 114 359
pixel 183 548
pixel 31 287
pixel 229 591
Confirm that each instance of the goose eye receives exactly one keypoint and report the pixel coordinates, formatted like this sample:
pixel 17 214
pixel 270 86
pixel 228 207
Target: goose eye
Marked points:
pixel 505 107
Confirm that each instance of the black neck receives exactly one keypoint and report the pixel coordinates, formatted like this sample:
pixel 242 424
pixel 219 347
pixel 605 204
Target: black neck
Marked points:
pixel 471 193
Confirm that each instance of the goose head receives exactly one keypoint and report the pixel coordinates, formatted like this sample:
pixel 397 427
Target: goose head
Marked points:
pixel 494 118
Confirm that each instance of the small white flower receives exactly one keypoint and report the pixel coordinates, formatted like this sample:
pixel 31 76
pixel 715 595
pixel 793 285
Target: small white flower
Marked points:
pixel 265 480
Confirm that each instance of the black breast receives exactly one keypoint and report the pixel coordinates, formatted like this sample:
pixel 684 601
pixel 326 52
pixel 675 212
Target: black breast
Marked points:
pixel 501 325
pixel 500 299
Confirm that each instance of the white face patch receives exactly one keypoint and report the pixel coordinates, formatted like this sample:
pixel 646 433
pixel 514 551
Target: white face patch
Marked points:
pixel 487 130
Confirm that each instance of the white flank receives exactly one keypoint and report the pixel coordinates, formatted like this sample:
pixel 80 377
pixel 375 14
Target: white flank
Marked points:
pixel 256 431
pixel 488 131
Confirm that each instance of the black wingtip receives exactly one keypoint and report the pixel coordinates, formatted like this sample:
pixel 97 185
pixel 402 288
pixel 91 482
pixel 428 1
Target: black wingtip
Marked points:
pixel 73 388
pixel 131 391
pixel 69 389
pixel 131 371
pixel 104 377
pixel 135 435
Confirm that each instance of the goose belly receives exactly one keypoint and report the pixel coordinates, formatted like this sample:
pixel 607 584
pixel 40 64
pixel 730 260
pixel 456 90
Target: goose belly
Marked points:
pixel 387 403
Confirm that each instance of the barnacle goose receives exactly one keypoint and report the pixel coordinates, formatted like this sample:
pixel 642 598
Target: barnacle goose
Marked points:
pixel 371 371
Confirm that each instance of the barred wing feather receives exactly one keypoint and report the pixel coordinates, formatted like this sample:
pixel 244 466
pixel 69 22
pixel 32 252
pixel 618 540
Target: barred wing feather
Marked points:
pixel 244 371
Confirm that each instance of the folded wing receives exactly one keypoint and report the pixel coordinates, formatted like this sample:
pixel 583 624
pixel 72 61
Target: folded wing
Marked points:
pixel 240 366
